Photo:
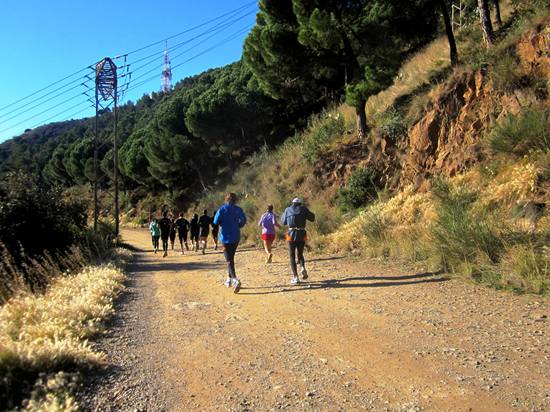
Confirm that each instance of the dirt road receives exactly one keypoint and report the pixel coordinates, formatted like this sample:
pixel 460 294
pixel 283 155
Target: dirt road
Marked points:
pixel 356 336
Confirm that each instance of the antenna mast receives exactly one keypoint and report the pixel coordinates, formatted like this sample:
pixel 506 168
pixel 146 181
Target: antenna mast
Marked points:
pixel 166 76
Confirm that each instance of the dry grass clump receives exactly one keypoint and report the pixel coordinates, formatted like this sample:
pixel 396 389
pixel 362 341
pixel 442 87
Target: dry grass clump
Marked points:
pixel 415 73
pixel 466 225
pixel 33 275
pixel 515 184
pixel 48 332
pixel 385 222
pixel 53 393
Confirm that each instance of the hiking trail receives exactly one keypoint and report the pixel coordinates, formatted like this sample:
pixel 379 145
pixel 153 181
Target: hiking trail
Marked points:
pixel 358 335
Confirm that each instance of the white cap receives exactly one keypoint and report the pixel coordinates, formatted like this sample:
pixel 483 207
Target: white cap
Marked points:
pixel 296 200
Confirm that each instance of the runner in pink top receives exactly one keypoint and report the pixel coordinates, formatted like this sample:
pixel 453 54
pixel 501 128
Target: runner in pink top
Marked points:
pixel 268 223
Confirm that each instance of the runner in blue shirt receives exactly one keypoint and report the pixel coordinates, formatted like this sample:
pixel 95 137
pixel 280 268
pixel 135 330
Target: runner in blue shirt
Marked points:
pixel 231 219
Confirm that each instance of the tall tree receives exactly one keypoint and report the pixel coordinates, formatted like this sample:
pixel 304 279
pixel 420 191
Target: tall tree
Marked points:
pixel 486 26
pixel 497 13
pixel 449 31
pixel 284 68
pixel 370 37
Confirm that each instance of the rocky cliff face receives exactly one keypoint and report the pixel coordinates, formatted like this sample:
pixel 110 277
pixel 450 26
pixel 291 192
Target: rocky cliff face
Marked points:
pixel 448 139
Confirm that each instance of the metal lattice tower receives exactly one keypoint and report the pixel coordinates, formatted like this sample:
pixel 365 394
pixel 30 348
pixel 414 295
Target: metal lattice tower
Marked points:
pixel 106 92
pixel 166 77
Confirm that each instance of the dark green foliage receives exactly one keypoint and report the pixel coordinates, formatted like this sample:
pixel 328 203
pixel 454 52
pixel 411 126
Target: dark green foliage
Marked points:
pixel 391 126
pixel 36 219
pixel 283 66
pixel 357 46
pixel 360 190
pixel 522 133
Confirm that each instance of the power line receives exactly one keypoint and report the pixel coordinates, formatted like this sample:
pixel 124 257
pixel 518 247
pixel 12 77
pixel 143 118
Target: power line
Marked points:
pixel 178 45
pixel 84 79
pixel 189 30
pixel 217 31
pixel 49 93
pixel 40 104
pixel 47 87
pixel 64 111
pixel 227 20
pixel 42 112
pixel 227 39
pixel 192 47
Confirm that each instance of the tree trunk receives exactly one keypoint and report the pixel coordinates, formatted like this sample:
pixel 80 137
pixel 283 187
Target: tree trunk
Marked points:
pixel 486 25
pixel 361 120
pixel 449 31
pixel 199 174
pixel 497 13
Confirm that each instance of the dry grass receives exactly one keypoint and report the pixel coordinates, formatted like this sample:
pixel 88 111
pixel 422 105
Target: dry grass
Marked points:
pixel 415 73
pixel 53 393
pixel 404 227
pixel 516 184
pixel 46 333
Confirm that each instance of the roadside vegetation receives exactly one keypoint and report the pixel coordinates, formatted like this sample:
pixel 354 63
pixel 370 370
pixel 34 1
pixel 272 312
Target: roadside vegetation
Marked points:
pixel 488 223
pixel 58 282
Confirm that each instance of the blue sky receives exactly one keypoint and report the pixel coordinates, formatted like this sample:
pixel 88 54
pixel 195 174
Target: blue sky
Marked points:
pixel 43 41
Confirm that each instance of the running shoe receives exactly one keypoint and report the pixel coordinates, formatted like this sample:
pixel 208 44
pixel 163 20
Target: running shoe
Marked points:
pixel 236 286
pixel 228 282
pixel 204 252
pixel 165 254
pixel 295 281
pixel 303 272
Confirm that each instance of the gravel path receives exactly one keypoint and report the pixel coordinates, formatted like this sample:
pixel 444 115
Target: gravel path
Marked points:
pixel 356 336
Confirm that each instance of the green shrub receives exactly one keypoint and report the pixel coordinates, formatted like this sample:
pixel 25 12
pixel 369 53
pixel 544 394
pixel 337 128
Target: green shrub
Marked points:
pixel 531 264
pixel 459 236
pixel 506 74
pixel 374 227
pixel 391 126
pixel 360 190
pixel 520 134
pixel 320 134
pixel 34 219
pixel 98 244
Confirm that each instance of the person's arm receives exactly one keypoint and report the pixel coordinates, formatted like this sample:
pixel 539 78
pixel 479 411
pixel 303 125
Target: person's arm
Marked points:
pixel 217 218
pixel 310 215
pixel 261 219
pixel 283 218
pixel 275 223
pixel 242 218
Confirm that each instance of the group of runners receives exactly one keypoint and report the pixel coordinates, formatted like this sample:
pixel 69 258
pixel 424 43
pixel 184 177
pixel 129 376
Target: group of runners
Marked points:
pixel 229 219
pixel 197 230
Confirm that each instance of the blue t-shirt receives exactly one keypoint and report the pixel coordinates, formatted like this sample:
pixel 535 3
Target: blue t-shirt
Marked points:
pixel 230 218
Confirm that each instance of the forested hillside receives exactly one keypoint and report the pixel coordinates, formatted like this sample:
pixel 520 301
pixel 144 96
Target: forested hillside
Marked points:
pixel 299 58
pixel 348 104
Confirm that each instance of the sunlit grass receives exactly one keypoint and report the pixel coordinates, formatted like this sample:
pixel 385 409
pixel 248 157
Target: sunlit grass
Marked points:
pixel 49 332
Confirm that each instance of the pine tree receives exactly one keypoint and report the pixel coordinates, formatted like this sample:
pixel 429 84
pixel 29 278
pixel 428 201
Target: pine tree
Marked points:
pixel 485 17
pixel 450 35
pixel 370 37
pixel 497 13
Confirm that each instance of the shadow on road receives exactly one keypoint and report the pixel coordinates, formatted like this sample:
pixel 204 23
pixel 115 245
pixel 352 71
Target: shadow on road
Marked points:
pixel 350 282
pixel 174 266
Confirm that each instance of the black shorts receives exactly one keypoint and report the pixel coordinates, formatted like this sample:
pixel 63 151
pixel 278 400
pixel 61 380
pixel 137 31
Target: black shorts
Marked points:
pixel 182 236
pixel 204 232
pixel 194 236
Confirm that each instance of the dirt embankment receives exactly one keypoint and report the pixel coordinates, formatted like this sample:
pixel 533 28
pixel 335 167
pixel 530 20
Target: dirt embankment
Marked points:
pixel 448 138
pixel 355 336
